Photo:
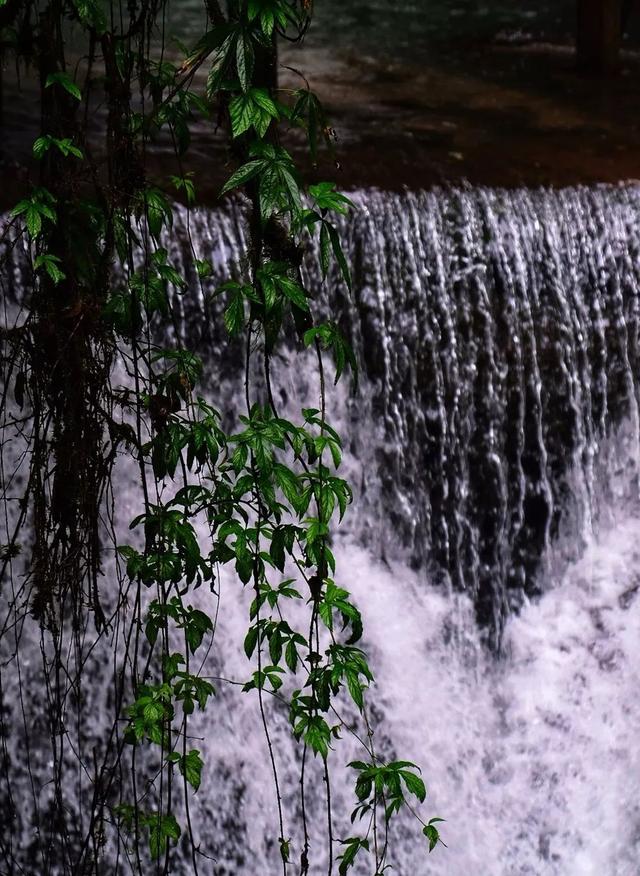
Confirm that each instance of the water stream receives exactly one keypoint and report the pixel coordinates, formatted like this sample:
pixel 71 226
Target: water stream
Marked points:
pixel 495 539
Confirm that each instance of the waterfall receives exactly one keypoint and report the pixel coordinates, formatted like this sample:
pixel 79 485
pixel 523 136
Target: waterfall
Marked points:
pixel 498 337
pixel 493 446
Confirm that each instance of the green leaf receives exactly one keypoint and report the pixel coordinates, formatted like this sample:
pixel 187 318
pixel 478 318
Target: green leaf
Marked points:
pixel 261 97
pixel 292 188
pixel 318 735
pixel 270 191
pixel 275 646
pixel 234 315
pixel 64 81
pixel 244 60
pixel 224 38
pixel 348 857
pixel 432 834
pixel 355 689
pixel 34 220
pixel 285 849
pixel 158 210
pixel 339 254
pixel 250 641
pixel 191 768
pixel 294 292
pixel 162 828
pixel 289 484
pixel 50 264
pixel 253 109
pixel 204 268
pixel 185 184
pixel 245 173
pixel 241 111
pixel 197 624
pixel 414 784
pixel 325 248
pixel 92 14
pixel 41 145
pixel 291 655
pixel 327 198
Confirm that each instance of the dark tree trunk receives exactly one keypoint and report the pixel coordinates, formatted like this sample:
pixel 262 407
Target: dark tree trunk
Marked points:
pixel 598 36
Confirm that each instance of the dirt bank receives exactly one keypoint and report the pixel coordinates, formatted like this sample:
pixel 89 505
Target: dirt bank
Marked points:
pixel 509 111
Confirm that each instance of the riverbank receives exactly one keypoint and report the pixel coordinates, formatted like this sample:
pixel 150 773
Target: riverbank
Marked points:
pixel 509 111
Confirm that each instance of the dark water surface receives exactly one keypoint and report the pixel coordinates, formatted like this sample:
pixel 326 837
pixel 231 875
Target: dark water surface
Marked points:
pixel 389 27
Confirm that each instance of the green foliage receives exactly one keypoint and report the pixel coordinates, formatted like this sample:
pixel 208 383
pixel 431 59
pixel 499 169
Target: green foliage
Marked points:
pixel 38 208
pixel 49 263
pixel 162 828
pixel 432 834
pixel 64 146
pixel 330 338
pixel 63 80
pixel 354 845
pixel 255 109
pixel 309 113
pixel 191 768
pixel 262 499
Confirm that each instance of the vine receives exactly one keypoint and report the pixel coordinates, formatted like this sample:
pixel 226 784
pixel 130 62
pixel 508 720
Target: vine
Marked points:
pixel 266 494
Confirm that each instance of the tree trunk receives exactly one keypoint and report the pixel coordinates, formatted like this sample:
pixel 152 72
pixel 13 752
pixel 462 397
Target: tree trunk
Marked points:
pixel 599 35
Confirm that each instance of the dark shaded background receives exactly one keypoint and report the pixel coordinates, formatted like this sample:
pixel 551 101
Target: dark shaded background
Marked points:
pixel 423 93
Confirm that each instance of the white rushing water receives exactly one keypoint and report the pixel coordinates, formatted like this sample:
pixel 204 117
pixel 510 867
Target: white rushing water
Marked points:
pixel 493 448
pixel 532 759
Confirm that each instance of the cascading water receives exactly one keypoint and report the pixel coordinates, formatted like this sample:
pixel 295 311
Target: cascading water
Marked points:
pixel 493 447
pixel 498 335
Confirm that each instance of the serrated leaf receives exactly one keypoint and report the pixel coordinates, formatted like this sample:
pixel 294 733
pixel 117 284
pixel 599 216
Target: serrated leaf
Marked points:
pixel 244 60
pixel 414 784
pixel 292 188
pixel 245 173
pixel 191 768
pixel 262 98
pixel 241 112
pixel 294 292
pixel 234 315
pixel 270 190
pixel 289 484
pixel 40 146
pixel 34 220
pixel 355 688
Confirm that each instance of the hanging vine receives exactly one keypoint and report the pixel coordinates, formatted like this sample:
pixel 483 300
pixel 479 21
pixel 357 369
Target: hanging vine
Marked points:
pixel 94 228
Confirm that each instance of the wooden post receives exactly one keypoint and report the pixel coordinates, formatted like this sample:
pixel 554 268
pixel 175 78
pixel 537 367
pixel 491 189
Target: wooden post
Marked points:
pixel 599 35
